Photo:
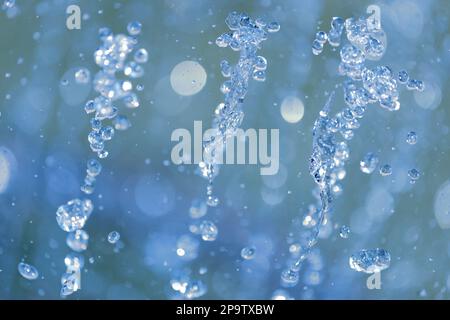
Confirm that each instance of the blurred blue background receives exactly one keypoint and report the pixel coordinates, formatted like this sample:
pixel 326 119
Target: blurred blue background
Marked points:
pixel 142 195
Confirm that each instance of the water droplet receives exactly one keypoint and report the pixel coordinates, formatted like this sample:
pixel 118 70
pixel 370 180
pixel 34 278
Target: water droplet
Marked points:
pixel 28 271
pixel 113 237
pixel 289 278
pixel 134 28
pixel 385 170
pixel 121 123
pixel 248 253
pixel 74 262
pixel 141 56
pixel 78 240
pixel 208 230
pixel 414 175
pixel 198 209
pixel 411 138
pixel 370 260
pixel 73 215
pixel 93 167
pixel 82 76
pixel 273 27
pixel 345 231
pixel 403 76
pixel 369 163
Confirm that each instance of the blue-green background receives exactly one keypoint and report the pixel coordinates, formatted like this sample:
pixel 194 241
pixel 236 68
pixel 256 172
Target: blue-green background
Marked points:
pixel 45 133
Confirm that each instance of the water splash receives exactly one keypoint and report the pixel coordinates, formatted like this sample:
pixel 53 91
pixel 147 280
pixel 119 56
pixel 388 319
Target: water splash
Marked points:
pixel 246 37
pixel 112 84
pixel 364 86
pixel 370 260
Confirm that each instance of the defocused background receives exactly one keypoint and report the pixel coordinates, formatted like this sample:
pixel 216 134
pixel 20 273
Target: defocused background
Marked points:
pixel 142 195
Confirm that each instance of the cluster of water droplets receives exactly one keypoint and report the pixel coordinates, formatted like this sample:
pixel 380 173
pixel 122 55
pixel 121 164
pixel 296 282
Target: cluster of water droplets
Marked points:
pixel 113 85
pixel 363 86
pixel 246 37
pixel 370 260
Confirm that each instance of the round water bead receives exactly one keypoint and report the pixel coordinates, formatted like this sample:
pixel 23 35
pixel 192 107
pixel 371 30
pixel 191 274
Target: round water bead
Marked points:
pixel 370 260
pixel 273 27
pixel 385 170
pixel 198 209
pixel 345 231
pixel 414 175
pixel 317 47
pixel 248 253
pixel 113 237
pixel 208 230
pixel 322 37
pixel 260 63
pixel 411 138
pixel 369 163
pixel 82 76
pixel 107 133
pixel 94 167
pixel 89 107
pixel 78 240
pixel 259 75
pixel 27 271
pixel 121 123
pixel 289 278
pixel 141 56
pixel 73 215
pixel 403 76
pixel 134 28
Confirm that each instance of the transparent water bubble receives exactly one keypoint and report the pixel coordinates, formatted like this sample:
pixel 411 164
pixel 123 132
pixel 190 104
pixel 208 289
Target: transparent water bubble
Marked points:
pixel 131 101
pixel 414 84
pixel 317 47
pixel 73 215
pixel 121 123
pixel 248 253
pixel 208 231
pixel 70 282
pixel 260 63
pixel 344 232
pixel 322 37
pixel 289 278
pixel 414 175
pixel 141 56
pixel 411 138
pixel 74 261
pixel 107 133
pixel 113 237
pixel 273 27
pixel 94 167
pixel 198 209
pixel 385 170
pixel 134 28
pixel 28 271
pixel 403 77
pixel 370 260
pixel 82 76
pixel 77 240
pixel 133 70
pixel 89 107
pixel 259 75
pixel 369 163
